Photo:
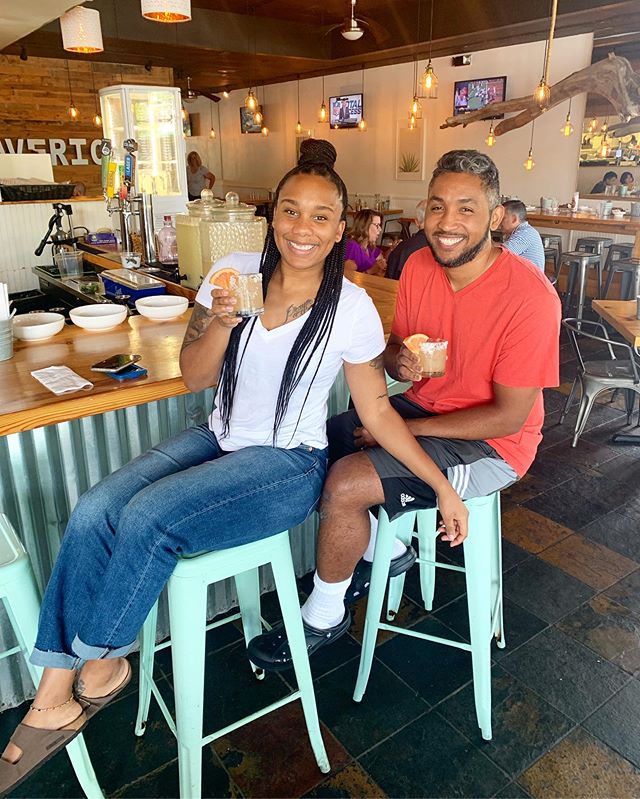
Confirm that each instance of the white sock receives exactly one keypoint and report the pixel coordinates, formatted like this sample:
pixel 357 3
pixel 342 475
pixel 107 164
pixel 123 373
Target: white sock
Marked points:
pixel 398 547
pixel 325 606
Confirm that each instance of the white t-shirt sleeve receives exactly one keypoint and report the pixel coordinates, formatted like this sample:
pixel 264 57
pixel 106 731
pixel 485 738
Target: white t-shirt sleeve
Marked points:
pixel 367 335
pixel 243 262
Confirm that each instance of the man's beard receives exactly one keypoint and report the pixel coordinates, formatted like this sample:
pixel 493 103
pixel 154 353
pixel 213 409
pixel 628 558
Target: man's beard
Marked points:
pixel 467 255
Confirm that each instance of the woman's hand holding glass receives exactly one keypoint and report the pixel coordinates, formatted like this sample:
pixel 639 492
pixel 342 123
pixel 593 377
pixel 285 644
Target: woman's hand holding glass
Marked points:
pixel 222 308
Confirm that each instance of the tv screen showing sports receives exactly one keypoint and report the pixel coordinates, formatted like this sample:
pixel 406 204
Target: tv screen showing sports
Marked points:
pixel 345 111
pixel 470 95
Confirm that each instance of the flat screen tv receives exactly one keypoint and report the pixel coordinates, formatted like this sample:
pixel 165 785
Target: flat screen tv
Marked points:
pixel 345 111
pixel 470 95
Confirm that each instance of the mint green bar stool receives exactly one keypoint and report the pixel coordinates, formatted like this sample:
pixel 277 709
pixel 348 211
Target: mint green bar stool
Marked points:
pixel 19 595
pixel 187 589
pixel 483 575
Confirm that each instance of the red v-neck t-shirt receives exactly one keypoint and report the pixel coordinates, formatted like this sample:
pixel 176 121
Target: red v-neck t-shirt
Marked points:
pixel 502 328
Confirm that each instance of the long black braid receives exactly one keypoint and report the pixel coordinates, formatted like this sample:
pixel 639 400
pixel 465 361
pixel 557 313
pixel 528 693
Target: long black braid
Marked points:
pixel 317 328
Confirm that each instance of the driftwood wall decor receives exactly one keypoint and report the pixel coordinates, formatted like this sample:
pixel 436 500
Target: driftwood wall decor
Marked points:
pixel 613 78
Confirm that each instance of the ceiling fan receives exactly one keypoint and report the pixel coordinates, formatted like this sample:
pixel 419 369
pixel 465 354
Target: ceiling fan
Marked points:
pixel 353 28
pixel 189 94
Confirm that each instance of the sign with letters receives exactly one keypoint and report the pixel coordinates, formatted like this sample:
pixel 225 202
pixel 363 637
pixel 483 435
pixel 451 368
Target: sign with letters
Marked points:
pixel 57 149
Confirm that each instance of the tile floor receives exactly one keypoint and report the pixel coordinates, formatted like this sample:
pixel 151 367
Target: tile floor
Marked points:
pixel 566 690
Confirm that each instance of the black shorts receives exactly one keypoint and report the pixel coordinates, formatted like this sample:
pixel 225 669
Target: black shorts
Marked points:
pixel 473 468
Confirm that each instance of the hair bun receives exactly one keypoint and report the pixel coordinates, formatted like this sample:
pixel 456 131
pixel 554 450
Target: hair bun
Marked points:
pixel 317 151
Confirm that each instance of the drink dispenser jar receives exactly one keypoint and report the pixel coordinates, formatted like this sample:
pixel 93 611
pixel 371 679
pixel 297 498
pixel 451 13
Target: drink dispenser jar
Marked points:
pixel 212 228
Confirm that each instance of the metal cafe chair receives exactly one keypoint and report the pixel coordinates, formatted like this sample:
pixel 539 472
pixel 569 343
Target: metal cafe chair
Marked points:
pixel 596 376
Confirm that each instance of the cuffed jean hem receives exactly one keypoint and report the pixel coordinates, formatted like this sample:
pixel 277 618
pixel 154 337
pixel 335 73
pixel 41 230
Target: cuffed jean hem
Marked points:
pixel 55 660
pixel 88 652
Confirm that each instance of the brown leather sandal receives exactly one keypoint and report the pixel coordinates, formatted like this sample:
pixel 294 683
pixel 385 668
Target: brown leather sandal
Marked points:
pixel 95 704
pixel 37 747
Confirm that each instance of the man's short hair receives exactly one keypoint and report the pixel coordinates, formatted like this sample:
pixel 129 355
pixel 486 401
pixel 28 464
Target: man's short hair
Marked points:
pixel 609 175
pixel 516 207
pixel 471 162
pixel 421 209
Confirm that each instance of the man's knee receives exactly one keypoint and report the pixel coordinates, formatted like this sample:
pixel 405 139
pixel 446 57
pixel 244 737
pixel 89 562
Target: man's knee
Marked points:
pixel 352 482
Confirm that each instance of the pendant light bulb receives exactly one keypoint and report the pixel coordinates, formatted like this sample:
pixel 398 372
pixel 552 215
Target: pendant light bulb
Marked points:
pixel 322 113
pixel 529 163
pixel 604 149
pixel 604 128
pixel 226 94
pixel 542 95
pixel 593 125
pixel 250 101
pixel 212 133
pixel 567 128
pixel 73 112
pixel 166 10
pixel 491 138
pixel 265 130
pixel 97 120
pixel 362 125
pixel 430 81
pixel 299 127
pixel 257 117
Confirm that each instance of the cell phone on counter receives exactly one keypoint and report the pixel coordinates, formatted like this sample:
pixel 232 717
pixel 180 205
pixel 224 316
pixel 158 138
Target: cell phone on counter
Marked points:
pixel 115 363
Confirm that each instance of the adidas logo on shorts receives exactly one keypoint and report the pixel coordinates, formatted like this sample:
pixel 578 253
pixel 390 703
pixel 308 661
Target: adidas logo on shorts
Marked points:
pixel 404 498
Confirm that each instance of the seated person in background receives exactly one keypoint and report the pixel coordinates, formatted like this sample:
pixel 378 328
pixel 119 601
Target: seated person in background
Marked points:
pixel 481 422
pixel 397 258
pixel 198 176
pixel 609 179
pixel 628 181
pixel 520 237
pixel 79 189
pixel 361 253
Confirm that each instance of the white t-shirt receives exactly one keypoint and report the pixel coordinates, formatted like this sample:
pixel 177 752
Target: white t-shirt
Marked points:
pixel 356 337
pixel 196 181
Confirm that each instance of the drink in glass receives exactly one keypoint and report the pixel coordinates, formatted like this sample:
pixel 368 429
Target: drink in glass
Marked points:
pixel 247 290
pixel 433 358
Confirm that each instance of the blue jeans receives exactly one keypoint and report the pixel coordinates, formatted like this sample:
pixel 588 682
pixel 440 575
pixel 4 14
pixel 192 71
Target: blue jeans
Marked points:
pixel 184 496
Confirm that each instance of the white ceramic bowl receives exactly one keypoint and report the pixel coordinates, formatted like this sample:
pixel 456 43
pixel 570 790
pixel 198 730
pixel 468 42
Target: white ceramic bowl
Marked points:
pixel 162 306
pixel 37 326
pixel 98 317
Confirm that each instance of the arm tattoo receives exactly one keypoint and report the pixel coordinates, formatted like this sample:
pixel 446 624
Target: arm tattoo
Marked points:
pixel 377 362
pixel 382 396
pixel 294 311
pixel 201 318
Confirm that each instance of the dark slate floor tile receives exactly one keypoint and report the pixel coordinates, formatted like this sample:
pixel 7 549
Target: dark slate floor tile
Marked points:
pixel 581 766
pixel 554 400
pixel 587 561
pixel 560 462
pixel 433 670
pixel 352 781
pixel 273 757
pixel 520 625
pixel 618 531
pixel 564 673
pixel 428 758
pixel 387 705
pixel 604 433
pixel 526 488
pixel 617 722
pixel 569 504
pixel 512 555
pixel 609 629
pixel 512 791
pixel 627 592
pixel 544 590
pixel 163 782
pixel 531 531
pixel 449 586
pixel 524 726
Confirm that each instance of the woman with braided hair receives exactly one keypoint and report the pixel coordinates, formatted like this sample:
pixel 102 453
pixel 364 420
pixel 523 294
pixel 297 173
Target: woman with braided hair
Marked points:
pixel 254 469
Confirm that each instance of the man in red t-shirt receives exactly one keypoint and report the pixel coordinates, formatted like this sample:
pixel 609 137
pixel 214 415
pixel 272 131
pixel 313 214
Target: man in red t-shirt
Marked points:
pixel 480 422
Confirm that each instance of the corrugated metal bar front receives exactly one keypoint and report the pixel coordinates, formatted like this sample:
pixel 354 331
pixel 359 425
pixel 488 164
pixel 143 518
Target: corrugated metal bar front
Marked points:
pixel 44 471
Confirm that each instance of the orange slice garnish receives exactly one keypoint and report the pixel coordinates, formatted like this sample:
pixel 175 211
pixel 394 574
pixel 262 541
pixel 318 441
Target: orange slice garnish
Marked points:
pixel 220 279
pixel 412 343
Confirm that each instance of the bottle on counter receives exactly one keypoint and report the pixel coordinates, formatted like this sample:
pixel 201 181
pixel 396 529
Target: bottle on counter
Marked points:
pixel 167 246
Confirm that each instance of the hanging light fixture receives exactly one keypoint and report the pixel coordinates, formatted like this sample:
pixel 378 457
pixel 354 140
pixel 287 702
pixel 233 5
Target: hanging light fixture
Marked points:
pixel 72 110
pixel 362 125
pixel 212 130
pixel 593 125
pixel 429 79
pixel 603 152
pixel 542 94
pixel 166 10
pixel 258 117
pixel 298 124
pixel 226 94
pixel 97 119
pixel 605 126
pixel 415 107
pixel 323 114
pixel 491 138
pixel 567 128
pixel 412 122
pixel 250 101
pixel 530 163
pixel 81 32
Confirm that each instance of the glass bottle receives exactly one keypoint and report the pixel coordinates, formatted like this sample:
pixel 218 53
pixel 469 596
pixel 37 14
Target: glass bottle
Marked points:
pixel 167 244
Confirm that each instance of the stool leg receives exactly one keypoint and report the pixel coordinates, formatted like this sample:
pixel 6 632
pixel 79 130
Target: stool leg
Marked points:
pixel 404 531
pixel 496 568
pixel 427 520
pixel 582 281
pixel 188 618
pixel 147 638
pixel 379 572
pixel 248 590
pixel 478 578
pixel 571 280
pixel 285 580
pixel 23 609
